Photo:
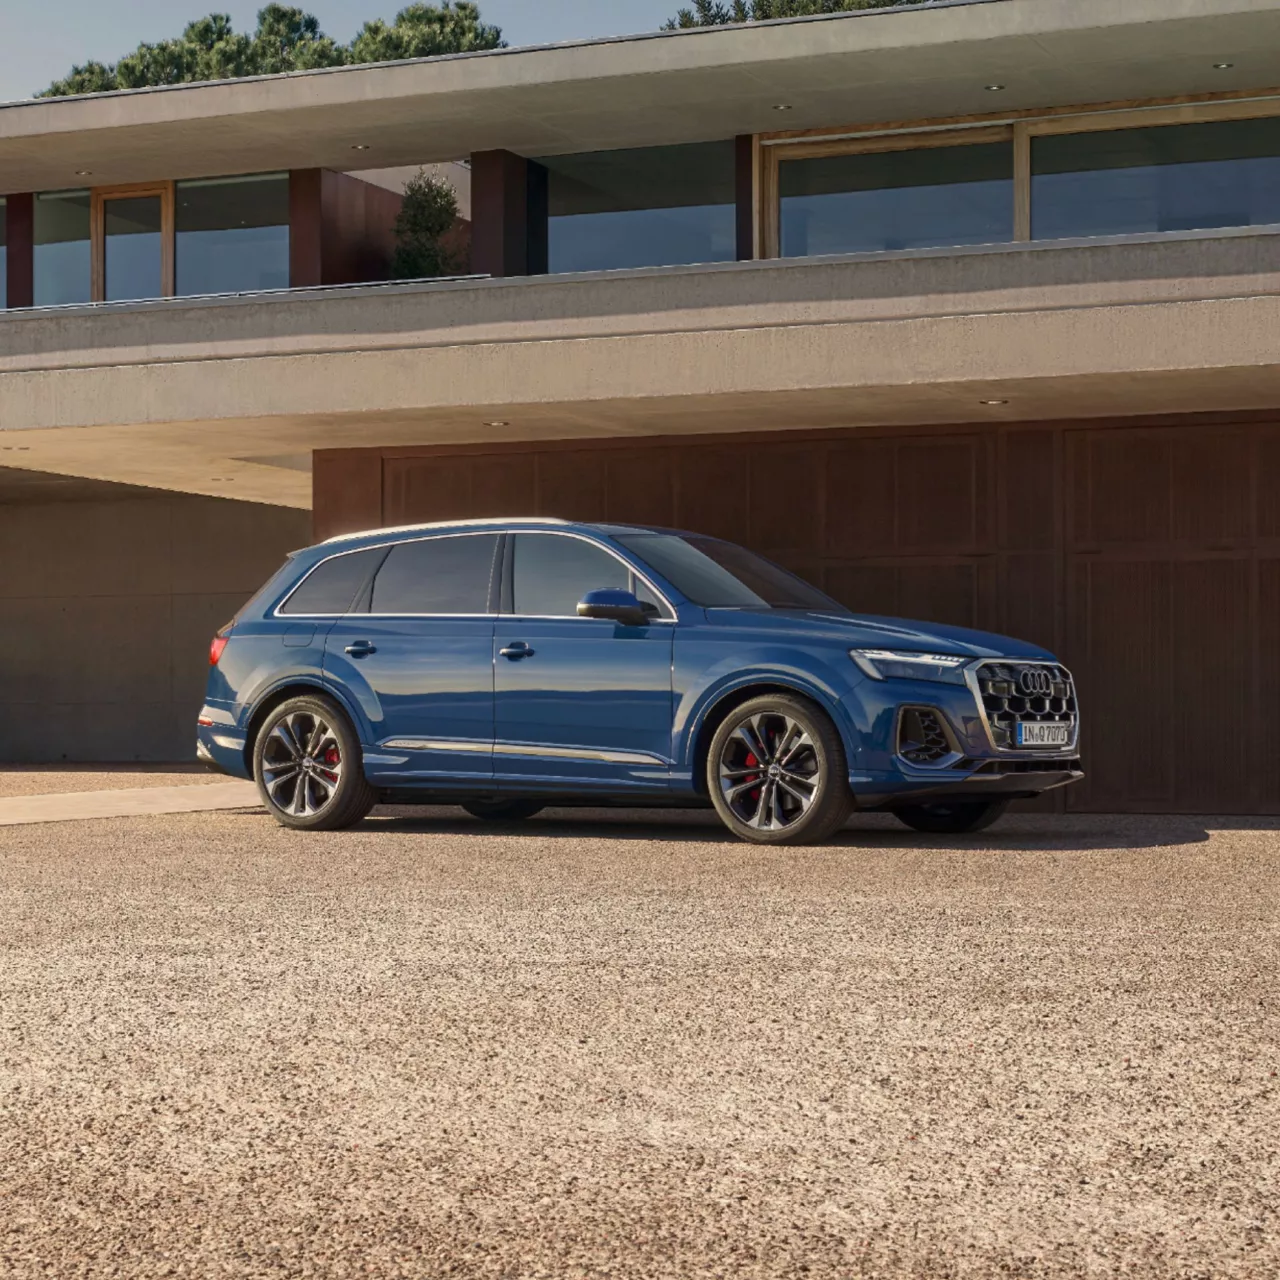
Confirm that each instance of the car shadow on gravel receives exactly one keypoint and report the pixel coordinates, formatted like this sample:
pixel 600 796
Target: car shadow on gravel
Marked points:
pixel 1018 833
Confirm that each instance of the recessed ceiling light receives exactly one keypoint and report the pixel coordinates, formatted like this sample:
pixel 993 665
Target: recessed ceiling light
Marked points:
pixel 1223 66
pixel 782 106
pixel 497 422
pixel 84 173
pixel 994 402
pixel 993 88
pixel 359 146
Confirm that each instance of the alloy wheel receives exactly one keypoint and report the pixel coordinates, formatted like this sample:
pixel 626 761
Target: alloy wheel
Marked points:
pixel 769 770
pixel 302 764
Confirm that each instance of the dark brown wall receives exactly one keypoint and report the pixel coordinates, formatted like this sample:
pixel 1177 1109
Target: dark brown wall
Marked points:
pixel 341 229
pixel 1146 553
pixel 744 160
pixel 20 249
pixel 508 215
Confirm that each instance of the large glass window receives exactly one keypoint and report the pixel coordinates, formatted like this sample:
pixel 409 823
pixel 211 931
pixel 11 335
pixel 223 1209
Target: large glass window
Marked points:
pixel 4 255
pixel 553 572
pixel 62 271
pixel 1163 178
pixel 645 207
pixel 132 231
pixel 233 234
pixel 914 199
pixel 448 575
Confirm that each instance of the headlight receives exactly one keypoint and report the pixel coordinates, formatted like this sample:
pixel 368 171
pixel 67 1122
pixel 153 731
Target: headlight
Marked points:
pixel 896 664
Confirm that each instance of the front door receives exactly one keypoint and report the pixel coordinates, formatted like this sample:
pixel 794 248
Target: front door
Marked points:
pixel 420 662
pixel 578 702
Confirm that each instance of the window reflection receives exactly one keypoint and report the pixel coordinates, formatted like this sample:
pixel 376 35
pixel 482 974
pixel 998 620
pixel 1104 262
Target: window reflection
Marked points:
pixel 131 230
pixel 1163 178
pixel 233 234
pixel 914 199
pixel 61 248
pixel 642 207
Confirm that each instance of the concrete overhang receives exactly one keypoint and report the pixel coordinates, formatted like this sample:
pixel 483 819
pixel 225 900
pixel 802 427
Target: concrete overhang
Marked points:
pixel 227 397
pixel 869 66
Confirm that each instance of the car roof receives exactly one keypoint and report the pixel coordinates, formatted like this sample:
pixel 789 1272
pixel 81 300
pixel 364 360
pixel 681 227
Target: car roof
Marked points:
pixel 373 537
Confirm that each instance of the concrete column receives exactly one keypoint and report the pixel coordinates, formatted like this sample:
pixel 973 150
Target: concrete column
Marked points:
pixel 744 152
pixel 508 215
pixel 20 249
pixel 306 237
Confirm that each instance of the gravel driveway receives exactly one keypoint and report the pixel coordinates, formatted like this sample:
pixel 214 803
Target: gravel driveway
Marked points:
pixel 634 1048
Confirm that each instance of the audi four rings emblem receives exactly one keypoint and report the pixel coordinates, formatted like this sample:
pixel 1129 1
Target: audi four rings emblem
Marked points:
pixel 1035 682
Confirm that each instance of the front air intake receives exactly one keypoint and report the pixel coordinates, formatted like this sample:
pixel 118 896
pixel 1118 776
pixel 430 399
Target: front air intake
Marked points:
pixel 923 737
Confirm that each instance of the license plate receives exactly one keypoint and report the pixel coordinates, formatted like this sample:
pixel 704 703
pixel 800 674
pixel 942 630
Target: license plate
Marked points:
pixel 1034 733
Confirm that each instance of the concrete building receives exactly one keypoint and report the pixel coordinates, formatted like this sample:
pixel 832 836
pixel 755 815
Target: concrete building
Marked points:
pixel 966 312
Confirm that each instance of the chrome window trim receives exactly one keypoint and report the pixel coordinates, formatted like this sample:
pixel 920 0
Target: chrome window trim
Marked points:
pixel 388 548
pixel 626 564
pixel 1023 753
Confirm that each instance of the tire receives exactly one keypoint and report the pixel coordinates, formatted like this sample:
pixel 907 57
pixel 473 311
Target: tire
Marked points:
pixel 309 767
pixel 503 810
pixel 804 803
pixel 959 819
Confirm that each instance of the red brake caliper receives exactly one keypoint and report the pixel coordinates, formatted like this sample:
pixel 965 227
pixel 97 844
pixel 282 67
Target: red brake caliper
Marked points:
pixel 752 762
pixel 331 757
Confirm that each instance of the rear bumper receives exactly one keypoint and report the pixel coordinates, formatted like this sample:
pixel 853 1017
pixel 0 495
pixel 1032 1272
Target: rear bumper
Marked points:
pixel 220 744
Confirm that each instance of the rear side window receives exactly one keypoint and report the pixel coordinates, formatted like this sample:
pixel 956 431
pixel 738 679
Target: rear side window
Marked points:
pixel 437 575
pixel 332 586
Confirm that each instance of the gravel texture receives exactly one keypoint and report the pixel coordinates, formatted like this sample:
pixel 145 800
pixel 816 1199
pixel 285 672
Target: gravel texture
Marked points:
pixel 631 1047
pixel 64 779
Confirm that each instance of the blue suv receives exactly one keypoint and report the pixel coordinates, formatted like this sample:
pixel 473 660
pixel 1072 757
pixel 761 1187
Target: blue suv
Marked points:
pixel 507 665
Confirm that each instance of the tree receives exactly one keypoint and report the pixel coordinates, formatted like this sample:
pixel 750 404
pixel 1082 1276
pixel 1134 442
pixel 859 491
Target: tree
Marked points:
pixel 718 13
pixel 429 213
pixel 286 39
pixel 424 31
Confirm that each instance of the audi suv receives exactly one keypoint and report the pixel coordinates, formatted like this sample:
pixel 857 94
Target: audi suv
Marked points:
pixel 509 665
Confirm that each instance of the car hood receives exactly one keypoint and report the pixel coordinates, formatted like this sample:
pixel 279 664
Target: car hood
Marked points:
pixel 860 630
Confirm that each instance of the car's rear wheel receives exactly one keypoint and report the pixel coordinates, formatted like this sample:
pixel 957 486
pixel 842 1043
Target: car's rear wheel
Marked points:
pixel 503 810
pixel 776 772
pixel 961 818
pixel 309 767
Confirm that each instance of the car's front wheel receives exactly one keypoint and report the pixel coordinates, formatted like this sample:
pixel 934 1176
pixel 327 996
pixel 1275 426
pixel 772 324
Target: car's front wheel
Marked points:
pixel 952 819
pixel 776 772
pixel 309 767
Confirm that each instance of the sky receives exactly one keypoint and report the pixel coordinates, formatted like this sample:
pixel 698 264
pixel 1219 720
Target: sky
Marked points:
pixel 40 41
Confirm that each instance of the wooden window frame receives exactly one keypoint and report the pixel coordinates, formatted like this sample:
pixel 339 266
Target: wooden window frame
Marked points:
pixel 1019 127
pixel 98 197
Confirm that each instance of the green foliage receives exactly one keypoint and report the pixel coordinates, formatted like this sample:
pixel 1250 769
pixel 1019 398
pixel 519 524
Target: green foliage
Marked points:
pixel 286 39
pixel 718 13
pixel 424 31
pixel 428 214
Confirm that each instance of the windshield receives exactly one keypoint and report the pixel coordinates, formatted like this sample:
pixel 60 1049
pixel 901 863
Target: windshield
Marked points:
pixel 721 575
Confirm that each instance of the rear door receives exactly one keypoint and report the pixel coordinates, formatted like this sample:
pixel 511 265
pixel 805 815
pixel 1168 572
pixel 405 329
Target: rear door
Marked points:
pixel 419 659
pixel 580 703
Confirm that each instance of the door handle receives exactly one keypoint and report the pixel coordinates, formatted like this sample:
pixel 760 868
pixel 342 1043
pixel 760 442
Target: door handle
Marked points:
pixel 361 649
pixel 516 650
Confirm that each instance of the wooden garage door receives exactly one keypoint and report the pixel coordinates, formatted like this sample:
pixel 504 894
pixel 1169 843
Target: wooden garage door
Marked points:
pixel 1146 554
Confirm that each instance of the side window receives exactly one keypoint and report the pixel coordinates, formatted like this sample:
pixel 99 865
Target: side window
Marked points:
pixel 553 572
pixel 437 575
pixel 331 587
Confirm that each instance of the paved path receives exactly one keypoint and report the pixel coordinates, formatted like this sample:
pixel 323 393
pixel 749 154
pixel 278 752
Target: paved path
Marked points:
pixel 137 802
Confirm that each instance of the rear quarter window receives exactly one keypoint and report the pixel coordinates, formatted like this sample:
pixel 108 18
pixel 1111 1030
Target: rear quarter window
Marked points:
pixel 447 575
pixel 332 586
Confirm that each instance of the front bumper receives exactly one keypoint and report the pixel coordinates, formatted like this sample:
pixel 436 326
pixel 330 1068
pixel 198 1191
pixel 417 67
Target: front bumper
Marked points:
pixel 974 768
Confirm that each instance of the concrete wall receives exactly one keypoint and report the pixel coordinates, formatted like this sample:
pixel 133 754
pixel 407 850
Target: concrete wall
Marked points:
pixel 107 607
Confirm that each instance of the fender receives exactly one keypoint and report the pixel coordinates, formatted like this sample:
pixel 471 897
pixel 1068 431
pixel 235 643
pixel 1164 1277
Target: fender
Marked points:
pixel 309 681
pixel 792 671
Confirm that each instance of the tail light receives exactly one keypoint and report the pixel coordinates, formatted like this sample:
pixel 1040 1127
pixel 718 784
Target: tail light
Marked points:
pixel 219 642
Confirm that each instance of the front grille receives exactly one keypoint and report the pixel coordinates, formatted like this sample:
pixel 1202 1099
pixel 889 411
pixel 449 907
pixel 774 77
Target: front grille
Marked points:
pixel 1005 702
pixel 922 737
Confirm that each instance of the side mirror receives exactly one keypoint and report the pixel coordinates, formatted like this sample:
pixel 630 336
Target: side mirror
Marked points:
pixel 614 605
